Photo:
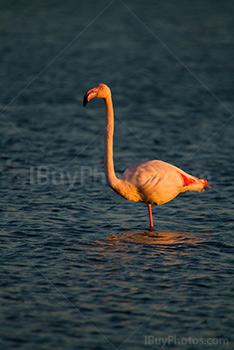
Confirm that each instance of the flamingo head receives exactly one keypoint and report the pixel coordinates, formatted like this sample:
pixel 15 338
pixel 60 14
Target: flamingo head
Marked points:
pixel 100 91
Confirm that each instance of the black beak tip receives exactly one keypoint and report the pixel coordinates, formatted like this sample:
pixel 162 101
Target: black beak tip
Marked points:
pixel 85 101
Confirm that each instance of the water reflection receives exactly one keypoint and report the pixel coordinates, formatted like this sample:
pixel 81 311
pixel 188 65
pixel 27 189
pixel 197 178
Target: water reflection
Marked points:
pixel 170 238
pixel 165 247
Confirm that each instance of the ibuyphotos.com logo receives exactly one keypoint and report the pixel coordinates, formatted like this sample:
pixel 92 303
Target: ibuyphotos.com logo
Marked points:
pixel 48 176
pixel 173 340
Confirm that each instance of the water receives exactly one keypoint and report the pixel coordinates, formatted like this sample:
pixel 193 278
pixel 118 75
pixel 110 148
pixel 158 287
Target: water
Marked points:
pixel 79 270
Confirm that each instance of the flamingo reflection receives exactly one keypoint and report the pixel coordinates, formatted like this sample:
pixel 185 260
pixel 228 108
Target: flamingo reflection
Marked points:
pixel 165 238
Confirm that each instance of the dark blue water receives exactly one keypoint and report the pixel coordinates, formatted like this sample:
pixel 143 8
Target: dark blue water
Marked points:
pixel 79 270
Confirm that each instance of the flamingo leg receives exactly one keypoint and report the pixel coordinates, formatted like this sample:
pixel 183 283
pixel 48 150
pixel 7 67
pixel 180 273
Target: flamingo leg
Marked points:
pixel 150 217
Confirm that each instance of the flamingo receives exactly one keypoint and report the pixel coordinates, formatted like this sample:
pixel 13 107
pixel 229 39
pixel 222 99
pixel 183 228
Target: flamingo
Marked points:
pixel 151 182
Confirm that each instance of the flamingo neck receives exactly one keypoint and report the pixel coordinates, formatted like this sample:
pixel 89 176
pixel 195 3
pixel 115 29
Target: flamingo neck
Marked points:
pixel 111 178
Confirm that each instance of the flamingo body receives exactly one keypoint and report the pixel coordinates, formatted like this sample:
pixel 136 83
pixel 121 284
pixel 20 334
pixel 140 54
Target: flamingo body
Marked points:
pixel 156 182
pixel 151 182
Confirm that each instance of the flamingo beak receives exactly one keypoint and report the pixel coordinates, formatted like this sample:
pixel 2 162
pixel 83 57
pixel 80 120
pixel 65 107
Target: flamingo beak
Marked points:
pixel 89 95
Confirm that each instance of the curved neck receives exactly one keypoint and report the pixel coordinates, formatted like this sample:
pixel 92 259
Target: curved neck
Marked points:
pixel 109 131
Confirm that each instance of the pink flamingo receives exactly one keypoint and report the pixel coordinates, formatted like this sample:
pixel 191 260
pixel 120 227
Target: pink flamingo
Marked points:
pixel 151 182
